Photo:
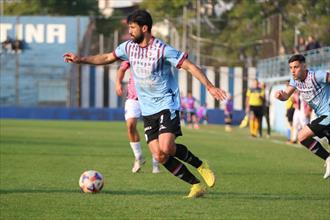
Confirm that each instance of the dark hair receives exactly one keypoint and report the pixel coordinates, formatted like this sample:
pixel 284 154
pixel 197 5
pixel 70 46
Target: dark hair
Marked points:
pixel 297 57
pixel 141 17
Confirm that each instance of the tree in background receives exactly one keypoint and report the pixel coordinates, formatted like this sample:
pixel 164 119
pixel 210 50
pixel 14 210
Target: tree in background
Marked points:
pixel 249 30
pixel 240 34
pixel 51 7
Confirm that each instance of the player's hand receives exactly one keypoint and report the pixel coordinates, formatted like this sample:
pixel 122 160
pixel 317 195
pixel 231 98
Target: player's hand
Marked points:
pixel 279 94
pixel 217 93
pixel 71 58
pixel 119 89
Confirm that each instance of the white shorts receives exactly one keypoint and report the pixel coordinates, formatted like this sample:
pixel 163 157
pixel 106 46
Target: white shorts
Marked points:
pixel 132 109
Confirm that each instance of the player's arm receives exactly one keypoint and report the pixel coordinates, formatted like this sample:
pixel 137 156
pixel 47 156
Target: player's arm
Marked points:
pixel 119 79
pixel 283 95
pixel 99 59
pixel 217 93
pixel 328 77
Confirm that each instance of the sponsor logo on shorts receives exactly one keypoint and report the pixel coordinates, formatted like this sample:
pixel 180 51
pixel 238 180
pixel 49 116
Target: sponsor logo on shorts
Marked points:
pixel 162 127
pixel 147 128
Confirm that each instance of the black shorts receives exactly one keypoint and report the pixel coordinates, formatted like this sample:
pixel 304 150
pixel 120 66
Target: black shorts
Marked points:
pixel 289 114
pixel 161 122
pixel 321 126
pixel 256 110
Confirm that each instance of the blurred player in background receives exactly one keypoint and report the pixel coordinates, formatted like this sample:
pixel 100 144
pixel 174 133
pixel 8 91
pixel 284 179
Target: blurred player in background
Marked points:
pixel 265 108
pixel 202 114
pixel 151 61
pixel 314 87
pixel 301 116
pixel 191 111
pixel 132 114
pixel 254 102
pixel 289 115
pixel 229 109
pixel 183 112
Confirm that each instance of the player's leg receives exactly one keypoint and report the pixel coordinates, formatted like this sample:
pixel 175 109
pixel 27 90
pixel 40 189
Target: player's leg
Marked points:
pixel 195 120
pixel 251 122
pixel 176 167
pixel 321 128
pixel 295 125
pixel 152 126
pixel 268 121
pixel 135 144
pixel 260 117
pixel 155 165
pixel 289 115
pixel 258 112
pixel 167 136
pixel 132 113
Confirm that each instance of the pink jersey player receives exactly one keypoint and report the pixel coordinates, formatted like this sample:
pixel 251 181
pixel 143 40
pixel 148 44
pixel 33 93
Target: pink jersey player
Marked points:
pixel 131 91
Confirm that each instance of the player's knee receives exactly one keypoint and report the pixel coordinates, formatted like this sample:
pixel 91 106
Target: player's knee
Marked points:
pixel 168 150
pixel 302 136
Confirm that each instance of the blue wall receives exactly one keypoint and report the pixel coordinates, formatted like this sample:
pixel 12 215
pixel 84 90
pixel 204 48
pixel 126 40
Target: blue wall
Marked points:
pixel 215 116
pixel 38 71
pixel 62 113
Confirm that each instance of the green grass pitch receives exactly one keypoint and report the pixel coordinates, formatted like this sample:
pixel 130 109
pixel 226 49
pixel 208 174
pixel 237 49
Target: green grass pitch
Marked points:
pixel 41 162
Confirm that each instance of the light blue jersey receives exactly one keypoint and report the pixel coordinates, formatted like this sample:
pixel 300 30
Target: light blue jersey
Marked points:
pixel 156 86
pixel 315 90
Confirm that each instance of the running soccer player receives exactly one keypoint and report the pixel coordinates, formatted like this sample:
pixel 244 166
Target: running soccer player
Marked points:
pixel 132 114
pixel 315 90
pixel 151 61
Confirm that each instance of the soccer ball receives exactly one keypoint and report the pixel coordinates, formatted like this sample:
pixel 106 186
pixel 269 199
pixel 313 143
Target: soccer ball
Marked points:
pixel 91 181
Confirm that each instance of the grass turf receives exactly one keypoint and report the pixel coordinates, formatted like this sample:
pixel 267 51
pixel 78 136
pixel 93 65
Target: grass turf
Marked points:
pixel 41 161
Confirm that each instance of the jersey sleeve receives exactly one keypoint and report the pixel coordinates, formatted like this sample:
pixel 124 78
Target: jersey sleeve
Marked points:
pixel 321 76
pixel 120 51
pixel 174 56
pixel 292 83
pixel 124 65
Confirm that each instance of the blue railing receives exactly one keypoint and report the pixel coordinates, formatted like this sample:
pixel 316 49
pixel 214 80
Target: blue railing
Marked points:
pixel 276 69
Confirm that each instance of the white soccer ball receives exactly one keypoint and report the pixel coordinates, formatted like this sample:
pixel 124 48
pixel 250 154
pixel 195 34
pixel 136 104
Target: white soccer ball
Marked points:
pixel 91 181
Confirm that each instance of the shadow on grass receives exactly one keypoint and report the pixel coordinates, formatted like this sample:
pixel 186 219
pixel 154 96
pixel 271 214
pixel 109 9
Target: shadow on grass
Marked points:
pixel 111 192
pixel 210 195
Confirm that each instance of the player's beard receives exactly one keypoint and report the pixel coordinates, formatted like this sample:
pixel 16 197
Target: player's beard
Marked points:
pixel 139 38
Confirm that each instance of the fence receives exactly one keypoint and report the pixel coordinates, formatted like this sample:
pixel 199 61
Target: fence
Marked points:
pixel 276 69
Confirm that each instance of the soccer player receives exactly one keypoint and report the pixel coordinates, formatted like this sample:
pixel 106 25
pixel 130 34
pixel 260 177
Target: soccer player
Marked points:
pixel 265 108
pixel 191 111
pixel 151 61
pixel 132 114
pixel 315 90
pixel 289 115
pixel 228 111
pixel 254 102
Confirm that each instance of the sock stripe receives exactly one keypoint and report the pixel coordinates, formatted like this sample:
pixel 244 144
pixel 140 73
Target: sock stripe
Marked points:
pixel 177 169
pixel 312 145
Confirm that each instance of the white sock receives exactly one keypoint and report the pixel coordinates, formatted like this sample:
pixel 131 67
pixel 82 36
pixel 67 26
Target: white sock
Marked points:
pixel 155 163
pixel 136 147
